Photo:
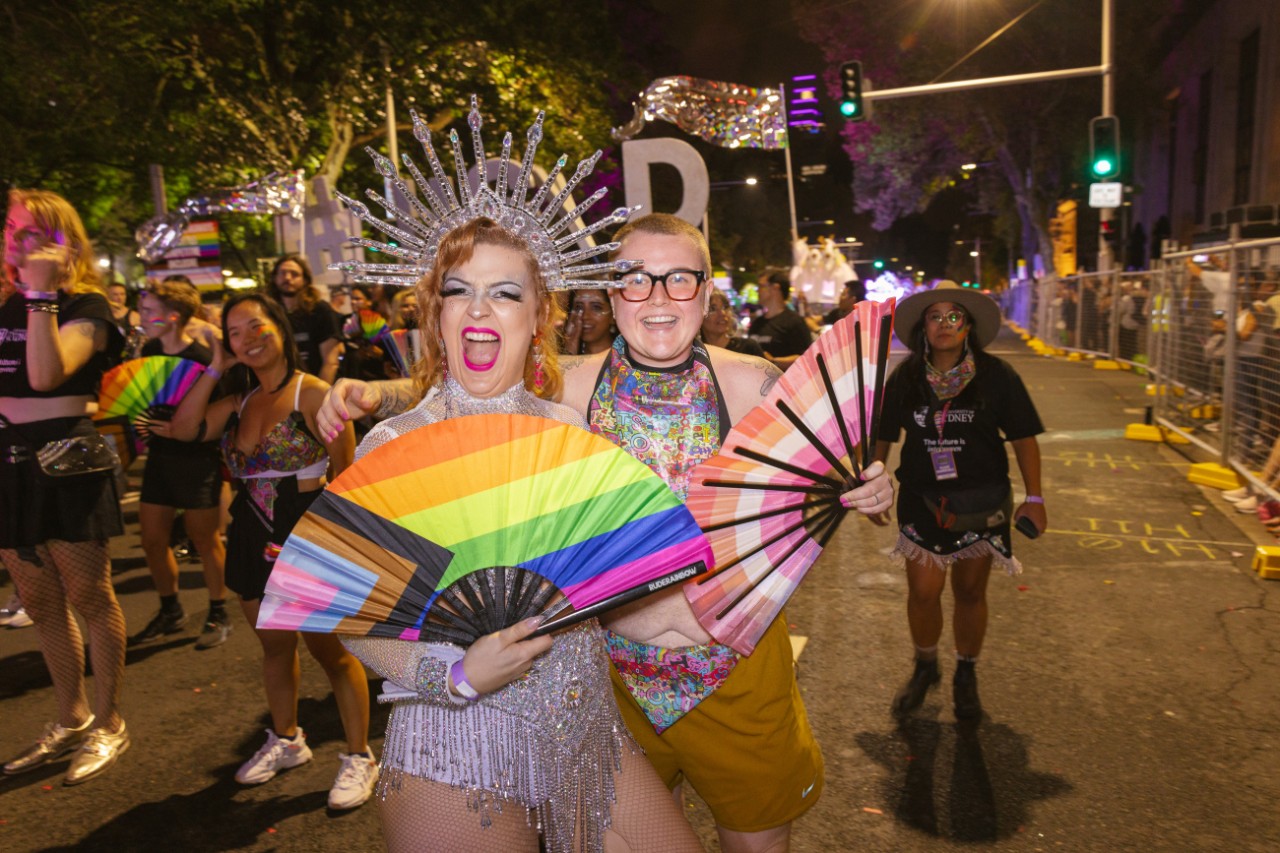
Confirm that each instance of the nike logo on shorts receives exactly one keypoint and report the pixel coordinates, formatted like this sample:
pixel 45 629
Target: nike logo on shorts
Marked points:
pixel 806 791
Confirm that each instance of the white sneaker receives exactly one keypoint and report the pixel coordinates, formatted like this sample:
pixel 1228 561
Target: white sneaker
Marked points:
pixel 276 754
pixel 1249 504
pixel 12 615
pixel 1237 495
pixel 355 782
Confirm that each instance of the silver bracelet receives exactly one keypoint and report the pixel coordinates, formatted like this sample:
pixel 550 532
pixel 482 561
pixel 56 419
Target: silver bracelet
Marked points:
pixel 42 305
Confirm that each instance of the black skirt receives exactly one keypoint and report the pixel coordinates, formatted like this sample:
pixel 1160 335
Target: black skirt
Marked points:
pixel 249 534
pixel 35 508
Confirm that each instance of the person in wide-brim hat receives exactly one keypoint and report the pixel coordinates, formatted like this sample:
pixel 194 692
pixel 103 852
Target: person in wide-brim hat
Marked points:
pixel 954 407
pixel 984 313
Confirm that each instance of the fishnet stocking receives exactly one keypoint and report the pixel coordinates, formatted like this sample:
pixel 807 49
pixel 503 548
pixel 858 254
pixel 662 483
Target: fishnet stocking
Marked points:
pixel 646 817
pixel 418 814
pixel 52 578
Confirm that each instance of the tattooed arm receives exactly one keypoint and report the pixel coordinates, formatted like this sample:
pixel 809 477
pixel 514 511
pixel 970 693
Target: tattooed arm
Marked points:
pixel 580 372
pixel 745 380
pixel 349 399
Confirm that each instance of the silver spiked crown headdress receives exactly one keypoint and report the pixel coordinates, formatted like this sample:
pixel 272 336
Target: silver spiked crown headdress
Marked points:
pixel 541 221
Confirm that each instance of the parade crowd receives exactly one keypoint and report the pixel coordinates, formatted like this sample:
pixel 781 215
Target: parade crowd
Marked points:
pixel 297 387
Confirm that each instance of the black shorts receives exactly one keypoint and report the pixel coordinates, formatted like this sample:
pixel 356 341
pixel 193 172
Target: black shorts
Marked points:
pixel 183 479
pixel 248 536
pixel 921 524
pixel 35 508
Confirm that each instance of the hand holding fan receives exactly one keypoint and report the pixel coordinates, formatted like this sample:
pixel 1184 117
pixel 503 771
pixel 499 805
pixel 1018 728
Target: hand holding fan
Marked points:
pixel 769 502
pixel 136 386
pixel 399 544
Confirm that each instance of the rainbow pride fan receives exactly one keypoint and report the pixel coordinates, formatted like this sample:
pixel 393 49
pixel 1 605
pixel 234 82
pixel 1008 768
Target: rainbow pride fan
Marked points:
pixel 132 388
pixel 397 545
pixel 368 324
pixel 405 349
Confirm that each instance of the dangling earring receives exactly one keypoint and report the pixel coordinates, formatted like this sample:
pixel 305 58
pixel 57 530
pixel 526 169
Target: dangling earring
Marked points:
pixel 444 360
pixel 539 374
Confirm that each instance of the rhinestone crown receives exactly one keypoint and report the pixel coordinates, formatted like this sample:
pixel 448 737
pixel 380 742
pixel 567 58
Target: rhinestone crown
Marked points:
pixel 541 221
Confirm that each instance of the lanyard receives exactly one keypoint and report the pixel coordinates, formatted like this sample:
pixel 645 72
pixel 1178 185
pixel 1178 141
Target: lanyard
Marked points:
pixel 940 419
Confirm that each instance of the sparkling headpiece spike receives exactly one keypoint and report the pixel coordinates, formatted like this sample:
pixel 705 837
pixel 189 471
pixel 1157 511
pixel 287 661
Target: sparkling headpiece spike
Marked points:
pixel 442 204
pixel 460 169
pixel 423 134
pixel 557 203
pixel 526 164
pixel 501 188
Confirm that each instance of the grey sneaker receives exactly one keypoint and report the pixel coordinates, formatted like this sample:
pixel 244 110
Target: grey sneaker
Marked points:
pixel 97 755
pixel 56 742
pixel 215 632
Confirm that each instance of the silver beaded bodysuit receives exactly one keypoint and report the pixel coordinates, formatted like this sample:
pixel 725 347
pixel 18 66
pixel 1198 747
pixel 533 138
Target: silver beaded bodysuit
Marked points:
pixel 550 740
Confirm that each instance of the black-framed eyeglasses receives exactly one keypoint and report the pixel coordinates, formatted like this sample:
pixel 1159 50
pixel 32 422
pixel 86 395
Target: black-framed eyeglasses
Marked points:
pixel 681 285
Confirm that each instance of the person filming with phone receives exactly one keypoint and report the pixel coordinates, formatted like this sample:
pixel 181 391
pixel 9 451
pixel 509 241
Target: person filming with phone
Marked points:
pixel 958 405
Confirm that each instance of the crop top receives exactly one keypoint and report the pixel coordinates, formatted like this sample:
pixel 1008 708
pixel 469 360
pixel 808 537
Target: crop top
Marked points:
pixel 14 375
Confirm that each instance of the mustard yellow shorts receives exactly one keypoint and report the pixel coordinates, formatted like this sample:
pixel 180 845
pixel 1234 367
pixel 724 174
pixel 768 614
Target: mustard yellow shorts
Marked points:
pixel 747 749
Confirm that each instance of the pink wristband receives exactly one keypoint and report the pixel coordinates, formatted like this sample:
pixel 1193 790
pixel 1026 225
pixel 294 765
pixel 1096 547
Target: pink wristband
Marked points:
pixel 213 372
pixel 1034 499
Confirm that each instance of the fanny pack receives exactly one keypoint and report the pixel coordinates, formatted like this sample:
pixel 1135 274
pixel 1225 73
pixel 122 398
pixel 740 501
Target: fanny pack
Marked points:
pixel 64 457
pixel 972 509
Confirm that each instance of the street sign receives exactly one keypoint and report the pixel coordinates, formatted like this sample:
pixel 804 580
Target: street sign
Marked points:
pixel 1106 194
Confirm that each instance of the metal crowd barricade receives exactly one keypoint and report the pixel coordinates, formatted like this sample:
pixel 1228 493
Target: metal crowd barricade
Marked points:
pixel 1203 323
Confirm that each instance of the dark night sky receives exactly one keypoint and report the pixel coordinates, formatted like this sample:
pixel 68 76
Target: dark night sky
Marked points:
pixel 752 42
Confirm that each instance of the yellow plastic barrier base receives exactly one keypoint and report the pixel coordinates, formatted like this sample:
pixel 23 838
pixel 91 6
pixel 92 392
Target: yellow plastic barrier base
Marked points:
pixel 1154 390
pixel 1214 475
pixel 1266 562
pixel 1106 364
pixel 1150 432
pixel 1075 356
pixel 1206 413
pixel 1025 336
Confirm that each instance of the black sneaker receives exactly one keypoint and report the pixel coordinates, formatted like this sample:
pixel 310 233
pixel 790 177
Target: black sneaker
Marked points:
pixel 215 632
pixel 964 688
pixel 912 694
pixel 163 623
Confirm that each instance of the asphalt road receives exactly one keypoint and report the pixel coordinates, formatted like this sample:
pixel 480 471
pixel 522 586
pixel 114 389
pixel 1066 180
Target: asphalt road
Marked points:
pixel 1131 681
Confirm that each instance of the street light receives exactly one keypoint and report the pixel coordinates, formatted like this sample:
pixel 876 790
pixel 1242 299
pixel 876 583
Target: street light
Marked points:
pixel 751 182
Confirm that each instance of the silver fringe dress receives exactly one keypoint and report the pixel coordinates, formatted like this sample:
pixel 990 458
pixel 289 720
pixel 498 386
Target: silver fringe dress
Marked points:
pixel 551 740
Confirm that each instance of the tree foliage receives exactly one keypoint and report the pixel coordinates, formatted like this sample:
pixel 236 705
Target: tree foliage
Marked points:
pixel 223 91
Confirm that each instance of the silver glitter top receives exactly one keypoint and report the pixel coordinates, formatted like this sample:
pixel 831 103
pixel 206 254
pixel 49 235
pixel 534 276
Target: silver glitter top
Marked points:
pixel 541 221
pixel 551 740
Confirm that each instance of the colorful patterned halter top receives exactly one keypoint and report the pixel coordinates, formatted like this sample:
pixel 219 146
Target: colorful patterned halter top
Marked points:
pixel 669 418
pixel 288 449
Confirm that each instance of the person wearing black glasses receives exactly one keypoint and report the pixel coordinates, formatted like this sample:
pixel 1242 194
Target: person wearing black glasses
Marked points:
pixel 781 333
pixel 733 727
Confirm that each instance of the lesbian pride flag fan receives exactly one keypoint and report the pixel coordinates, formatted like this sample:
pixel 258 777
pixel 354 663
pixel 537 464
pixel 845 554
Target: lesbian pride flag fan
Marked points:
pixel 769 502
pixel 396 545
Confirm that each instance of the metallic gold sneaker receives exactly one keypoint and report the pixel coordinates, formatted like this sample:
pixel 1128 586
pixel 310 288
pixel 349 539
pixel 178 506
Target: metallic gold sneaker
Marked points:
pixel 100 750
pixel 56 742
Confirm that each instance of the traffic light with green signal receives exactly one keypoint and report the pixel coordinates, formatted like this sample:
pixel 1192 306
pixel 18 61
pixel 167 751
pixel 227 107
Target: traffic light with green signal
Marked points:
pixel 1104 147
pixel 851 106
pixel 878 264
